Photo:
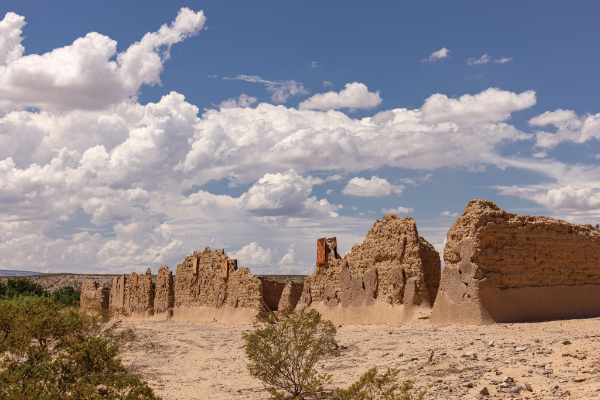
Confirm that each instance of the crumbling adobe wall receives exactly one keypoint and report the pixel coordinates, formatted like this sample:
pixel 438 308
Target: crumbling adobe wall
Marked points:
pixel 245 290
pixel 201 279
pixel 291 295
pixel 117 293
pixel 394 266
pixel 138 293
pixel 92 294
pixel 165 294
pixel 272 291
pixel 503 267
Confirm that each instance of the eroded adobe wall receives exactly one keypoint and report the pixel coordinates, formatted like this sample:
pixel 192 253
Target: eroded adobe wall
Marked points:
pixel 92 294
pixel 272 291
pixel 138 293
pixel 291 295
pixel 493 258
pixel 245 290
pixel 165 293
pixel 394 265
pixel 117 293
pixel 201 279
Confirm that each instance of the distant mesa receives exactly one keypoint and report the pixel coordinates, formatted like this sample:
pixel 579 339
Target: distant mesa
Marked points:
pixel 10 272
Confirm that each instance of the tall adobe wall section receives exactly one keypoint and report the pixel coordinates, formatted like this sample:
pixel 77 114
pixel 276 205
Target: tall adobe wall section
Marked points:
pixel 503 267
pixel 134 293
pixel 201 279
pixel 209 286
pixel 392 277
pixel 164 299
pixel 93 295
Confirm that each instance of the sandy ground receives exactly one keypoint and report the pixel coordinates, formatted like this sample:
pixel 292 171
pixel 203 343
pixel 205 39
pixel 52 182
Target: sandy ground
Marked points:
pixel 558 359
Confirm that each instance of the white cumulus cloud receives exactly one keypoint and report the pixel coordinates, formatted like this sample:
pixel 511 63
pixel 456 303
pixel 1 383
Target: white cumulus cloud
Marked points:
pixel 281 90
pixel 436 55
pixel 81 75
pixel 490 105
pixel 570 127
pixel 252 255
pixel 397 210
pixel 374 187
pixel 285 194
pixel 449 214
pixel 356 95
pixel 291 263
pixel 576 198
pixel 503 60
pixel 556 118
pixel 242 100
pixel 484 59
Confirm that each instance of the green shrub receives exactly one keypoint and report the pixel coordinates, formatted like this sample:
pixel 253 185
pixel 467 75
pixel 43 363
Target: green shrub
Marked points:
pixel 51 353
pixel 20 286
pixel 66 297
pixel 284 348
pixel 383 386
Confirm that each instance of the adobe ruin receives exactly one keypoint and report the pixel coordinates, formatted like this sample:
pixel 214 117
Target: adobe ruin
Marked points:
pixel 93 295
pixel 392 277
pixel 209 286
pixel 134 293
pixel 164 299
pixel 503 267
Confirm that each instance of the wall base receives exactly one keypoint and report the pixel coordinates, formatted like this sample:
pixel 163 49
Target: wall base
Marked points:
pixel 378 313
pixel 519 305
pixel 226 314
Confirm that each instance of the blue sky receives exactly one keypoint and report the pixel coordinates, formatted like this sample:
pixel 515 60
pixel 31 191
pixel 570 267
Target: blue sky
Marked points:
pixel 260 127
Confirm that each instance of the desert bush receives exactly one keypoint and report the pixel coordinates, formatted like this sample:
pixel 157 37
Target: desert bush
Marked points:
pixel 51 352
pixel 379 386
pixel 66 297
pixel 21 287
pixel 284 348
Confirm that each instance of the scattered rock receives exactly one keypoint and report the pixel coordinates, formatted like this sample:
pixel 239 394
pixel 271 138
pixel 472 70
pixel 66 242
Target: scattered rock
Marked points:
pixel 578 379
pixel 520 348
pixel 566 342
pixel 528 387
pixel 484 391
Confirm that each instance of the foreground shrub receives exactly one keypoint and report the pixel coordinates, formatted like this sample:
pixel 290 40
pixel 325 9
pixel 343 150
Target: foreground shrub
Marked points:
pixel 284 348
pixel 382 386
pixel 49 352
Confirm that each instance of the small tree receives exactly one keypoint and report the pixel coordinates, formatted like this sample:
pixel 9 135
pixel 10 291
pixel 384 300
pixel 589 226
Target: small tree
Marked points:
pixel 284 348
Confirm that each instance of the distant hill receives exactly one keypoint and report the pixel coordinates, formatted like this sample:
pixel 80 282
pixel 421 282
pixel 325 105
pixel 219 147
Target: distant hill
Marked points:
pixel 10 272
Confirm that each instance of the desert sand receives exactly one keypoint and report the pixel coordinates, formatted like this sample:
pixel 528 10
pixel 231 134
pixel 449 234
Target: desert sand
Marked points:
pixel 196 360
